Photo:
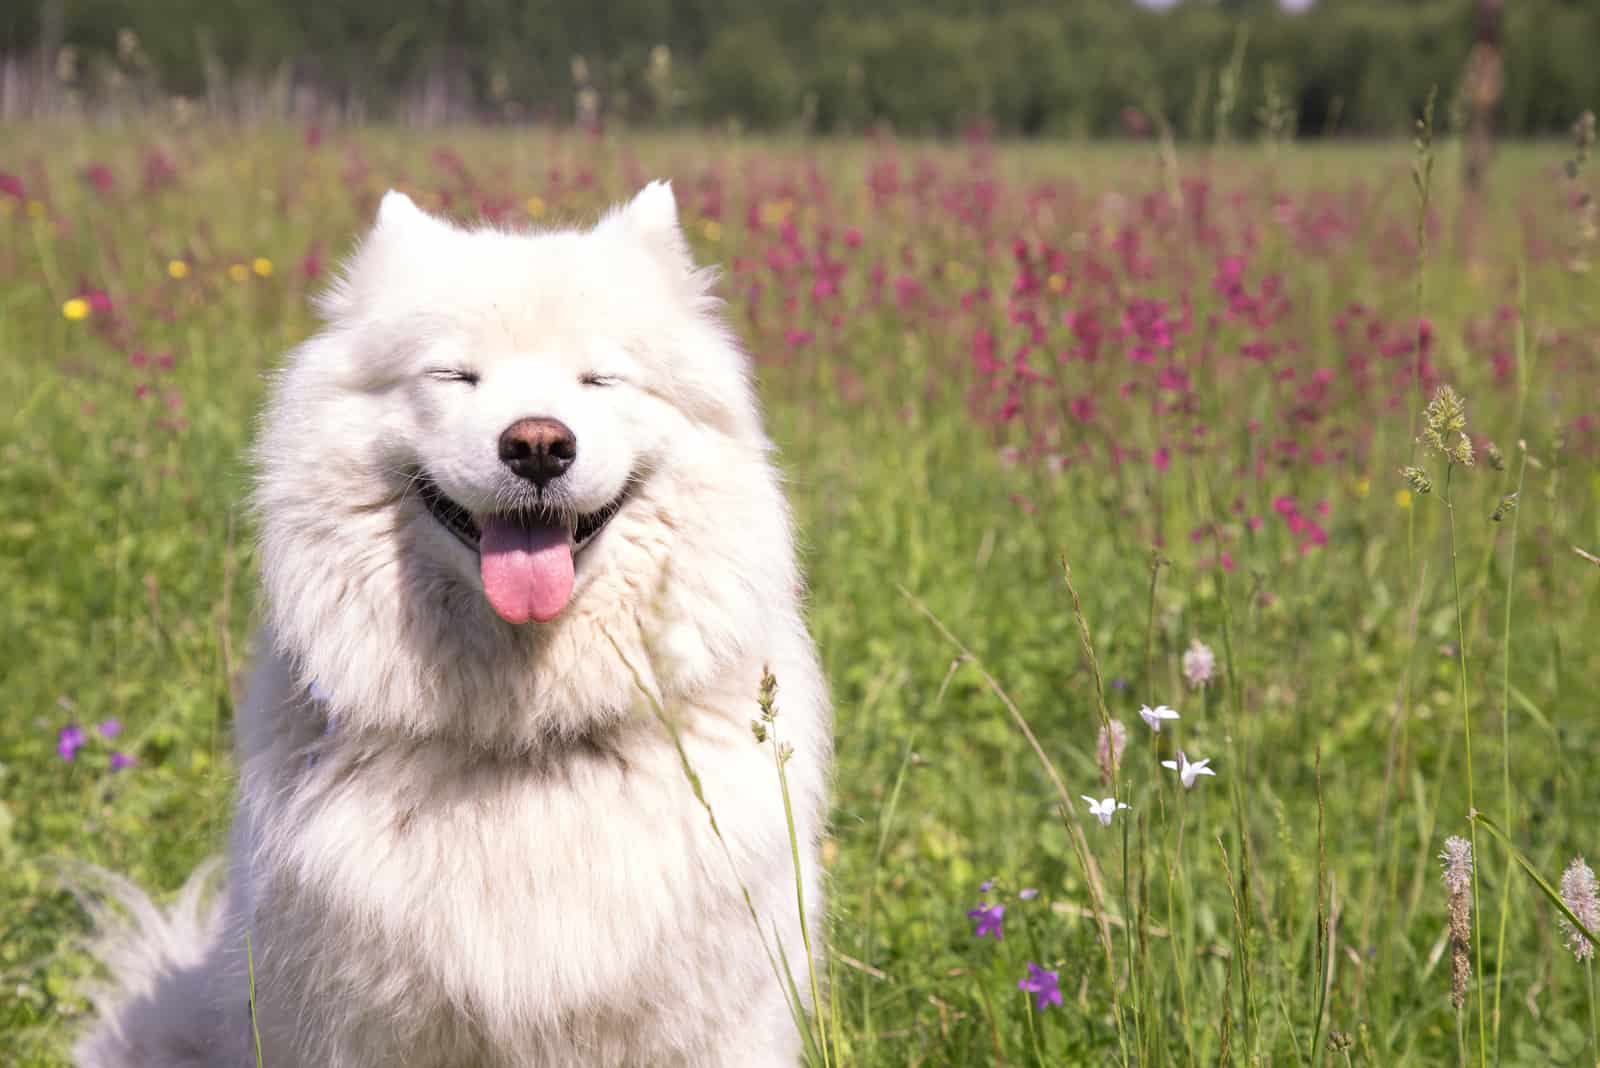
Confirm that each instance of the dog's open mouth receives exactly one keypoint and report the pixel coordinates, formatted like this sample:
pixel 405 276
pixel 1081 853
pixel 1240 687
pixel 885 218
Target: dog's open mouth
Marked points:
pixel 526 559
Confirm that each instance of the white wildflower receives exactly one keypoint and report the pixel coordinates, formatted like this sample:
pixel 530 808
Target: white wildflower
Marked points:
pixel 1188 772
pixel 1103 809
pixel 1154 716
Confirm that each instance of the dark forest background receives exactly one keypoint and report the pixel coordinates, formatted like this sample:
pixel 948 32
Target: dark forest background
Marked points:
pixel 1073 68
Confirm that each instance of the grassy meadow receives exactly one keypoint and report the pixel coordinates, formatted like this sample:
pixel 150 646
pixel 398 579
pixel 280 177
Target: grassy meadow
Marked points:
pixel 1192 374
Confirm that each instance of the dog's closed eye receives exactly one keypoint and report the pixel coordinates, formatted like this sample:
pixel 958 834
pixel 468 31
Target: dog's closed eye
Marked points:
pixel 453 374
pixel 593 378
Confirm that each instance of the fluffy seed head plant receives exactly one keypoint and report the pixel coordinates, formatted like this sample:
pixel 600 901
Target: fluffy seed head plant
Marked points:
pixel 1457 862
pixel 1446 415
pixel 1108 750
pixel 1582 896
pixel 1417 479
pixel 766 701
pixel 1199 664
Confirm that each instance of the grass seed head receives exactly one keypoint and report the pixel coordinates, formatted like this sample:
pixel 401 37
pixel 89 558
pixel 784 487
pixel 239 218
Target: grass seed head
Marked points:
pixel 767 695
pixel 1446 416
pixel 1457 862
pixel 1417 479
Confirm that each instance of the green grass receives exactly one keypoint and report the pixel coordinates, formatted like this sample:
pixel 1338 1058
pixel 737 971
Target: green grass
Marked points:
pixel 1286 912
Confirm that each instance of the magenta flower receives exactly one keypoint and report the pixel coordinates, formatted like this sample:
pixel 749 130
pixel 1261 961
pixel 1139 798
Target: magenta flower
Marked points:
pixel 988 920
pixel 110 728
pixel 101 177
pixel 69 741
pixel 1043 984
pixel 119 761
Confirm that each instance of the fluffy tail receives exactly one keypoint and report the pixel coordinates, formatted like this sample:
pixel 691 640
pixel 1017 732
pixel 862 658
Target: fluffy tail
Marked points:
pixel 160 1010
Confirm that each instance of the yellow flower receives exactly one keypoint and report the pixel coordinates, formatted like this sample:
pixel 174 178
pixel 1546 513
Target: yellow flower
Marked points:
pixel 1402 498
pixel 239 272
pixel 75 309
pixel 262 266
pixel 536 207
pixel 1363 486
pixel 712 229
pixel 36 209
pixel 1058 284
pixel 177 270
pixel 775 212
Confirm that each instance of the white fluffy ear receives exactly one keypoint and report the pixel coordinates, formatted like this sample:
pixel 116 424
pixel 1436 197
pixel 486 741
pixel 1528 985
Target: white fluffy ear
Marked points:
pixel 399 212
pixel 398 235
pixel 654 209
pixel 652 216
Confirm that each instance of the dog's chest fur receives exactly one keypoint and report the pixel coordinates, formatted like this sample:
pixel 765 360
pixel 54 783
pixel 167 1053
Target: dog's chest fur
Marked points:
pixel 460 902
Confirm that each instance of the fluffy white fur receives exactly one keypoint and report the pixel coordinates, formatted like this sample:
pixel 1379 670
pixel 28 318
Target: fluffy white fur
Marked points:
pixel 493 856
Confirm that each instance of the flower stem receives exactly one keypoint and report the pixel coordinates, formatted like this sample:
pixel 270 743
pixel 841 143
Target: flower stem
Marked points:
pixel 1505 741
pixel 1594 1031
pixel 255 1032
pixel 1466 722
pixel 780 759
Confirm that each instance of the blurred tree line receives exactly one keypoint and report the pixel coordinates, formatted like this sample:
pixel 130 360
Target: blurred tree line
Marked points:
pixel 1204 68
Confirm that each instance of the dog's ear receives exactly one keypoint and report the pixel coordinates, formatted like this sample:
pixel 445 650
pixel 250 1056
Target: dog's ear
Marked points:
pixel 398 234
pixel 399 217
pixel 399 212
pixel 652 218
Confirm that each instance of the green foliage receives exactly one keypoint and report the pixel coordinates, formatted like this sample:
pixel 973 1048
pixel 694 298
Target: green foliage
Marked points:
pixel 747 75
pixel 1026 67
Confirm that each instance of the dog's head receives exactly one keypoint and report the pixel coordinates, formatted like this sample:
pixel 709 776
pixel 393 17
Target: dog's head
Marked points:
pixel 549 425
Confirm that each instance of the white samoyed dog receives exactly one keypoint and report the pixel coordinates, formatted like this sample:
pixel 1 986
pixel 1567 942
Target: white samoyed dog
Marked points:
pixel 525 557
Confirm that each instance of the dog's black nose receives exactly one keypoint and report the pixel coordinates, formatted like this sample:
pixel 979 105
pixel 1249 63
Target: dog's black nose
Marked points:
pixel 538 449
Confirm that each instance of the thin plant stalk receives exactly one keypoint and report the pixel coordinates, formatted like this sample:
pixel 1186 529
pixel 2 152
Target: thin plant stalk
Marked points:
pixel 1466 723
pixel 780 759
pixel 992 1020
pixel 877 861
pixel 1422 181
pixel 1251 1023
pixel 1505 649
pixel 1551 894
pixel 1322 950
pixel 1239 936
pixel 1594 1029
pixel 255 1031
pixel 1150 620
pixel 1505 739
pixel 1033 1033
pixel 1135 979
pixel 1179 963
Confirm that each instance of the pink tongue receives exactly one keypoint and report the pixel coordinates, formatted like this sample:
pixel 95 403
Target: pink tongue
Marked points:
pixel 527 571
